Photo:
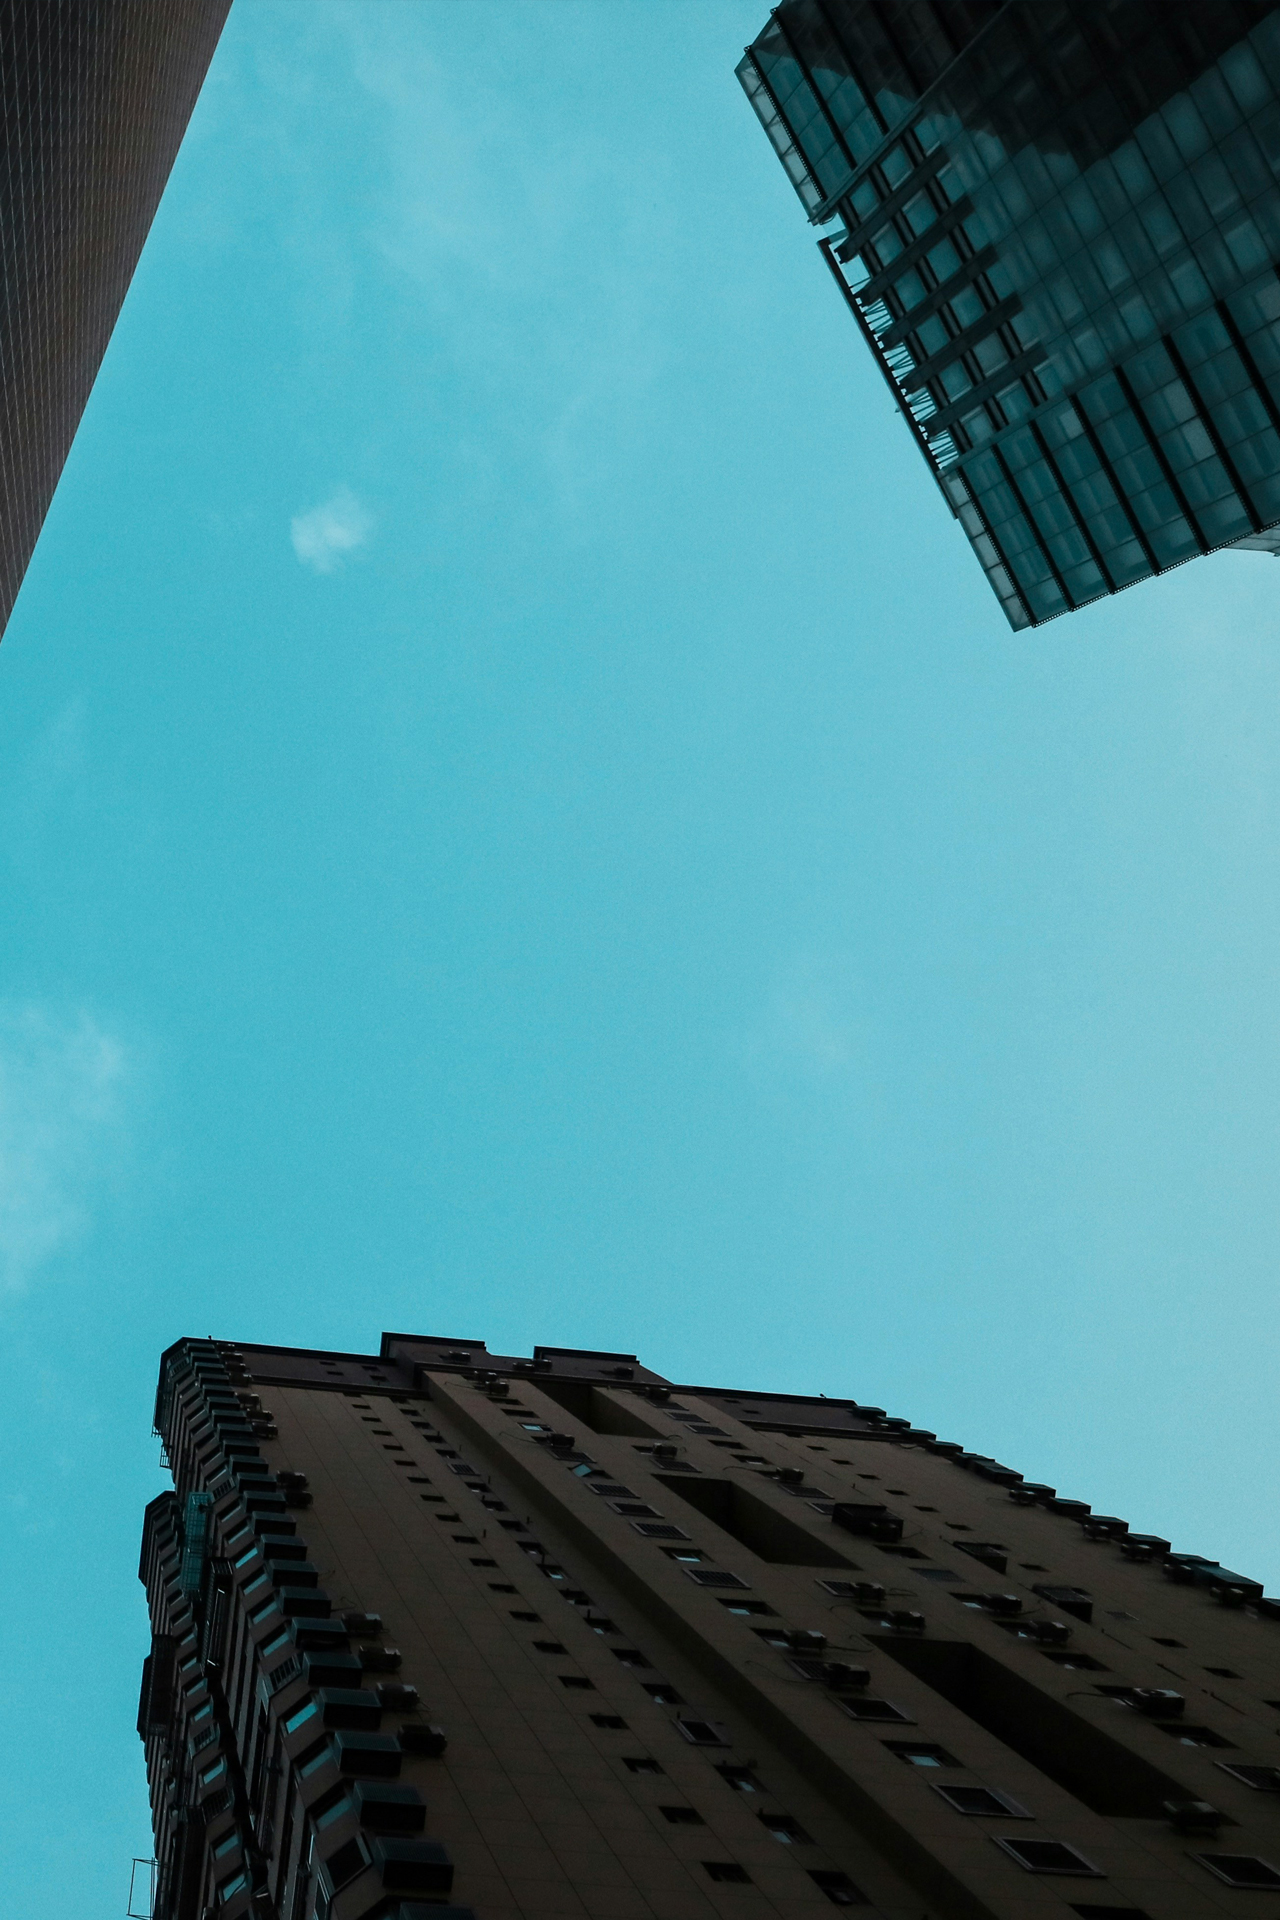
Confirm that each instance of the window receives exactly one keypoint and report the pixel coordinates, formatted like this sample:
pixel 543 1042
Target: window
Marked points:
pixel 728 1870
pixel 229 1888
pixel 741 1779
pixel 1080 1662
pixel 485 1563
pixel 465 1539
pixel 1224 1673
pixel 1162 1640
pixel 532 1618
pixel 843 1589
pixel 1193 1736
pixel 702 1733
pixel 305 1712
pixel 682 1816
pixel 631 1657
pixel 226 1845
pixel 499 1586
pixel 1240 1869
pixel 549 1646
pixel 659 1530
pixel 578 1680
pixel 1048 1856
pixel 921 1753
pixel 866 1709
pixel 787 1829
pixel 215 1772
pixel 715 1577
pixel 611 1722
pixel 642 1764
pixel 663 1692
pixel 687 1556
pixel 748 1608
pixel 1261 1779
pixel 838 1887
pixel 981 1800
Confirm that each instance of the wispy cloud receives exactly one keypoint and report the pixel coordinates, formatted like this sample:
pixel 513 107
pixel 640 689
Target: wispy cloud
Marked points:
pixel 322 537
pixel 63 1084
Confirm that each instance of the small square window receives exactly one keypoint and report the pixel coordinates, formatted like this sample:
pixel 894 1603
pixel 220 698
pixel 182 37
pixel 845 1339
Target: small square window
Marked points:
pixel 1261 1779
pixel 728 1870
pixel 741 1779
pixel 868 1709
pixel 611 1722
pixel 682 1816
pixel 1240 1869
pixel 484 1563
pixel 787 1829
pixel 577 1681
pixel 663 1692
pixel 838 1887
pixel 982 1800
pixel 642 1763
pixel 500 1586
pixel 518 1613
pixel 921 1753
pixel 549 1646
pixel 1187 1736
pixel 702 1733
pixel 1048 1856
pixel 631 1657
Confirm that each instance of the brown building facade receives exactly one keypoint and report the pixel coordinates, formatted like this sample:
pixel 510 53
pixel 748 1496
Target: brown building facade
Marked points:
pixel 444 1632
pixel 95 96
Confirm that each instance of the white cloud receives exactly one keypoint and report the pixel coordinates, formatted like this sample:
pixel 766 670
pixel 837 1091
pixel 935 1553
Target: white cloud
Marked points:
pixel 323 536
pixel 62 1120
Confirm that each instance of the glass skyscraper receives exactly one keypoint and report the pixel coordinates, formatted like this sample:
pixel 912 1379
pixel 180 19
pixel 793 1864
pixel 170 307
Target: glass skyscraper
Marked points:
pixel 1057 225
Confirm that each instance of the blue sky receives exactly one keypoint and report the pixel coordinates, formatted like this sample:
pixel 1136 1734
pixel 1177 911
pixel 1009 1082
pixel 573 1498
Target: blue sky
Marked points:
pixel 520 817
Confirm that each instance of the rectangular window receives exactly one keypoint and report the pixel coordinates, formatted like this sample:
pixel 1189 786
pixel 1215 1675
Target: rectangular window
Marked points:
pixel 1048 1856
pixel 921 1753
pixel 611 1722
pixel 663 1692
pixel 981 1800
pixel 1240 1869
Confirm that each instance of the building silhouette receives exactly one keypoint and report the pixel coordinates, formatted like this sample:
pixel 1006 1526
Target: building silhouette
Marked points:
pixel 443 1632
pixel 1057 226
pixel 95 96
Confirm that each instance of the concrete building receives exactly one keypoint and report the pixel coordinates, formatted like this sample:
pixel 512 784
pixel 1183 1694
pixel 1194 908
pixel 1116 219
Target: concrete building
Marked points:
pixel 445 1632
pixel 1057 225
pixel 95 96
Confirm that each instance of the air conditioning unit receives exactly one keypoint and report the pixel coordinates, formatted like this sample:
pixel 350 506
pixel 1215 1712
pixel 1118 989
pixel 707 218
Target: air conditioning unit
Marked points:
pixel 386 1807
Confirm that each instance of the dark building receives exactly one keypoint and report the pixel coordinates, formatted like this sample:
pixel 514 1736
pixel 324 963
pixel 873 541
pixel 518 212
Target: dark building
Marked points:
pixel 95 97
pixel 1058 231
pixel 445 1632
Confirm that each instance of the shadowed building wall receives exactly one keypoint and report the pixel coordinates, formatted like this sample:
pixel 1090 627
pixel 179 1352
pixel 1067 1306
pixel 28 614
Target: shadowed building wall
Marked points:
pixel 95 96
pixel 438 1631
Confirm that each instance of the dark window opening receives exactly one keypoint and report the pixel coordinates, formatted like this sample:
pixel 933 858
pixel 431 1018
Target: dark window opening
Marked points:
pixel 921 1753
pixel 727 1870
pixel 982 1800
pixel 741 1779
pixel 838 1887
pixel 1240 1869
pixel 642 1763
pixel 682 1816
pixel 1048 1856
pixel 611 1722
pixel 1193 1736
pixel 787 1829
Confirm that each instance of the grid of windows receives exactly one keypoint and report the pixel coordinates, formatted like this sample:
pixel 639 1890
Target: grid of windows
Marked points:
pixel 95 96
pixel 1061 237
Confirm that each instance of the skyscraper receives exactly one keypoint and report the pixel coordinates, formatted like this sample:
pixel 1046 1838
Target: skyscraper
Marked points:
pixel 1056 224
pixel 438 1631
pixel 95 96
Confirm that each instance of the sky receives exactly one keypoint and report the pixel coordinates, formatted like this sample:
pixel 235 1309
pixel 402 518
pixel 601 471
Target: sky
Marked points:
pixel 520 818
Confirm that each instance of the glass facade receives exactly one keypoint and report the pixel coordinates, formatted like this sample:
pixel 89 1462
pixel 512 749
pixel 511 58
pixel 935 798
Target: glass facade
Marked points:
pixel 1057 225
